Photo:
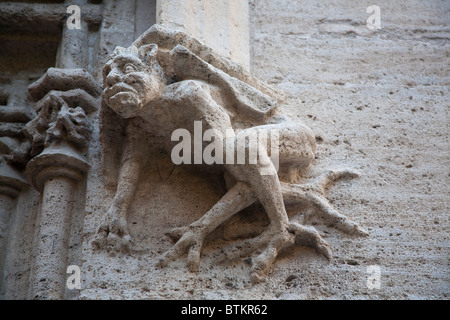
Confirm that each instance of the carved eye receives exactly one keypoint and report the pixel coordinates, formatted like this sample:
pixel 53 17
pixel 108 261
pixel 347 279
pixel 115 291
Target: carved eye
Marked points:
pixel 106 70
pixel 129 68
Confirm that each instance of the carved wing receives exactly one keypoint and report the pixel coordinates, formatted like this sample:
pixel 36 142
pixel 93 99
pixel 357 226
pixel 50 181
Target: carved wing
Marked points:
pixel 248 101
pixel 184 57
pixel 168 38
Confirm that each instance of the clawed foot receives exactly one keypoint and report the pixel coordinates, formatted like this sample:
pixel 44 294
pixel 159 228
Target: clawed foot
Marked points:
pixel 272 241
pixel 191 239
pixel 113 234
pixel 265 247
pixel 312 196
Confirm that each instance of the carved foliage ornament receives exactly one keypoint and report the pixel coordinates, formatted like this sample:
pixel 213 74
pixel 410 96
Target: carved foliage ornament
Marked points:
pixel 63 98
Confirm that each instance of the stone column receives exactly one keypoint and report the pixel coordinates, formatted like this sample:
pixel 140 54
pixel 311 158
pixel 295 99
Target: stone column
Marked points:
pixel 6 203
pixel 73 50
pixel 5 209
pixel 11 183
pixel 55 173
pixel 60 135
pixel 13 157
pixel 222 24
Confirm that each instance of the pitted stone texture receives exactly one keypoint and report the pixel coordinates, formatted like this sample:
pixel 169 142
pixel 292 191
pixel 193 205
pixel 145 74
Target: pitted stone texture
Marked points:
pixel 222 25
pixel 63 98
pixel 155 99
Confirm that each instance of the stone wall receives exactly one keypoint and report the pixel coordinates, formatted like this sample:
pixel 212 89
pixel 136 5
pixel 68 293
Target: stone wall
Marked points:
pixel 376 100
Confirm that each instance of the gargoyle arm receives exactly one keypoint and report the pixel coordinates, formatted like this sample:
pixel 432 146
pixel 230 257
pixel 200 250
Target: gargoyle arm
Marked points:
pixel 113 232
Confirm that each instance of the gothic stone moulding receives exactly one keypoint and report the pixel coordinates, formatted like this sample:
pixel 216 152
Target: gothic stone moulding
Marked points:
pixel 11 180
pixel 167 80
pixel 14 147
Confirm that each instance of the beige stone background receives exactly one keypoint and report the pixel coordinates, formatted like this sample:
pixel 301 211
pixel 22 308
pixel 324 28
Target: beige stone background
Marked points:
pixel 379 99
pixel 378 102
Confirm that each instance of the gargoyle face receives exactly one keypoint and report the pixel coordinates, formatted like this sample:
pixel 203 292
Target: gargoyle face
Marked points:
pixel 129 84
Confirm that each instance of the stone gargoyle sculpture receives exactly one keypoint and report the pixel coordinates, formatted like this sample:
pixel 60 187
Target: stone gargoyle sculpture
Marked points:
pixel 167 80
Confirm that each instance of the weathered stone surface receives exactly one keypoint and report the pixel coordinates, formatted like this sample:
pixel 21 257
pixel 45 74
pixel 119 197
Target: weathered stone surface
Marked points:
pixel 373 100
pixel 59 135
pixel 138 87
pixel 223 25
pixel 377 103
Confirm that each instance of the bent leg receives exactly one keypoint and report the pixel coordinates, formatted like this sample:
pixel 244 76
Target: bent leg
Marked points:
pixel 237 198
pixel 263 180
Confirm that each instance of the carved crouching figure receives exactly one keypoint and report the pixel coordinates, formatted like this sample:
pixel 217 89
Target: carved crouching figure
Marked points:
pixel 155 101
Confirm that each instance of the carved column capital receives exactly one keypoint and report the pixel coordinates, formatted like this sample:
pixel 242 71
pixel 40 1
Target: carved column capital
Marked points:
pixel 59 139
pixel 60 132
pixel 59 160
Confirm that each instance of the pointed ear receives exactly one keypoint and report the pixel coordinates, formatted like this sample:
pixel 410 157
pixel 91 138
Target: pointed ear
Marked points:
pixel 119 50
pixel 148 52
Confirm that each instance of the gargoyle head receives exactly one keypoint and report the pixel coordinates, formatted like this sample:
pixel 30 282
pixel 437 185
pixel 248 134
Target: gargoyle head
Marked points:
pixel 132 78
